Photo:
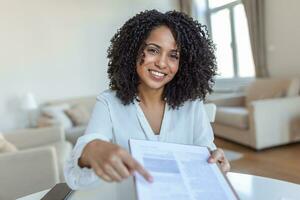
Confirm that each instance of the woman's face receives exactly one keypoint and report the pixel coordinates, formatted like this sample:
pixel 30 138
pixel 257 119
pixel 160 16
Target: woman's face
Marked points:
pixel 159 61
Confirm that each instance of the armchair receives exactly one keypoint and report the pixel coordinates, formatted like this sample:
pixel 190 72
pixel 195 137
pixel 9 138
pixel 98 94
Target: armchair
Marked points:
pixel 37 165
pixel 261 118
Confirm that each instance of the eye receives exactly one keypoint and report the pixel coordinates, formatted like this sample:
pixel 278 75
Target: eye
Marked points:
pixel 152 51
pixel 174 56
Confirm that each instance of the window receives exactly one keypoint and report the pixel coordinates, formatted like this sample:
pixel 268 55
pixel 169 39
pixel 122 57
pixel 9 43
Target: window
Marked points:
pixel 229 30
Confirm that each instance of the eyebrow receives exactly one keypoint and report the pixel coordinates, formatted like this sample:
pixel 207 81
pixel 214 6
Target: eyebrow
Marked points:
pixel 174 50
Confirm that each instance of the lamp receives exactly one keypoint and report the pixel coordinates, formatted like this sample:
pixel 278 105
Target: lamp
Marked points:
pixel 29 104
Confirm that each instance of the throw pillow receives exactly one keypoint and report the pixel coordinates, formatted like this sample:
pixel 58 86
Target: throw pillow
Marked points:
pixel 57 113
pixel 78 114
pixel 6 146
pixel 45 120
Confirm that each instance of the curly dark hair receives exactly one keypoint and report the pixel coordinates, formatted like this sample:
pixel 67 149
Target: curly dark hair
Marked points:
pixel 197 62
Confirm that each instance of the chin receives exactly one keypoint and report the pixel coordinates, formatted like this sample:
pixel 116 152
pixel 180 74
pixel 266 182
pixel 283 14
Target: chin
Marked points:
pixel 155 85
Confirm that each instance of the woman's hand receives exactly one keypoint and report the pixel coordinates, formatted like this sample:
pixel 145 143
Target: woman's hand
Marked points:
pixel 110 162
pixel 219 156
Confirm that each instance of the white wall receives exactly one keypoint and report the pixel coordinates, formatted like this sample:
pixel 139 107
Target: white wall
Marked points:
pixel 283 37
pixel 57 48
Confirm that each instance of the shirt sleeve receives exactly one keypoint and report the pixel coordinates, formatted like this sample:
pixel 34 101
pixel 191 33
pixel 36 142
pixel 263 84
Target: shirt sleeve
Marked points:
pixel 99 127
pixel 203 135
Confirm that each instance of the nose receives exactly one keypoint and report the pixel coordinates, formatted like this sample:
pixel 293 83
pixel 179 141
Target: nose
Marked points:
pixel 162 62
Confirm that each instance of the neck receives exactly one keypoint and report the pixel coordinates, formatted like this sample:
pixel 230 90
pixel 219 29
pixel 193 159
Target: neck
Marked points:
pixel 150 97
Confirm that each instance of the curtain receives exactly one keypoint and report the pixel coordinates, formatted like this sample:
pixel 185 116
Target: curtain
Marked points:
pixel 185 6
pixel 255 14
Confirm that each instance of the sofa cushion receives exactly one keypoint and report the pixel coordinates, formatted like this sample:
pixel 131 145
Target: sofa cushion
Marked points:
pixel 271 88
pixel 5 146
pixel 232 116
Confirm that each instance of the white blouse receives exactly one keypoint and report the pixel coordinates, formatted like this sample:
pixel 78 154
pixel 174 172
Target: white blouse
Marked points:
pixel 114 122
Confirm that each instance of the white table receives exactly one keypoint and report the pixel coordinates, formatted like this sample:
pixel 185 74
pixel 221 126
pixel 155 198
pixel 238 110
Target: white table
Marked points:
pixel 248 187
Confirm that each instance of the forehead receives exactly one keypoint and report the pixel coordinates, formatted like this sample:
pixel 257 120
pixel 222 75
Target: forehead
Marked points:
pixel 163 37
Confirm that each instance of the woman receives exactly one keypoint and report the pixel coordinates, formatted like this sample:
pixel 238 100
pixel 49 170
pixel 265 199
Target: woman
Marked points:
pixel 161 66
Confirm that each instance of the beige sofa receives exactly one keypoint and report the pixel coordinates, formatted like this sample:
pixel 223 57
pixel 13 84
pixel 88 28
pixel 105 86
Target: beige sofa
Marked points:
pixel 38 163
pixel 262 117
pixel 79 110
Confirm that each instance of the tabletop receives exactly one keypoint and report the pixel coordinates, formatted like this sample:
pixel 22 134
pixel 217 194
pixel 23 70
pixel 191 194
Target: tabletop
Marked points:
pixel 248 187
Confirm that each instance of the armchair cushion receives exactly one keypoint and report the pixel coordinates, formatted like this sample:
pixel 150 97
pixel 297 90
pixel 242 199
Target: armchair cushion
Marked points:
pixel 233 116
pixel 232 100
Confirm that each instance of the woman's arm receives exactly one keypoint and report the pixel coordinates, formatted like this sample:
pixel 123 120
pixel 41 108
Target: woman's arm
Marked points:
pixel 95 156
pixel 99 128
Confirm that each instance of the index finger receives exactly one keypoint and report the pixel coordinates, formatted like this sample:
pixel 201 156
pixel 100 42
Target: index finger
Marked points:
pixel 134 165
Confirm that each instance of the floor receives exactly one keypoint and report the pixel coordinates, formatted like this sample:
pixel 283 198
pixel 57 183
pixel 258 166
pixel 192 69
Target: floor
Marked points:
pixel 281 162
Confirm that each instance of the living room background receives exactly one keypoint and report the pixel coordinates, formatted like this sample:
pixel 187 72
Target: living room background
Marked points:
pixel 57 49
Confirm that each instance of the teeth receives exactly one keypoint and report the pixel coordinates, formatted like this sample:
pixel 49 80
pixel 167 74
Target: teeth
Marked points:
pixel 157 73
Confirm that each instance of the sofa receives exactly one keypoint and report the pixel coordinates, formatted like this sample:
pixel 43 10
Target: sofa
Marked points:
pixel 34 163
pixel 72 114
pixel 262 116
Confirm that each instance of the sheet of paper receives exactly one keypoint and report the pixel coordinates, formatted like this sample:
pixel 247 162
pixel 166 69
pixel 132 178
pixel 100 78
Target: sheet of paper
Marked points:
pixel 180 172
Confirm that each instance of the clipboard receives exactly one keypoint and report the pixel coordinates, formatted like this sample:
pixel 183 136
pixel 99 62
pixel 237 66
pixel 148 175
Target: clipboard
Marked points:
pixel 141 145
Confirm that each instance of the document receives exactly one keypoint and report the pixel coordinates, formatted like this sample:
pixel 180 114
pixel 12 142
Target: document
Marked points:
pixel 180 172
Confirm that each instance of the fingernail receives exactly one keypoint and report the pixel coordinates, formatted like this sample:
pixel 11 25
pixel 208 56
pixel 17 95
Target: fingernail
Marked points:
pixel 150 179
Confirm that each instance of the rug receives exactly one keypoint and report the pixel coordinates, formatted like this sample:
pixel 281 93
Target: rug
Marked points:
pixel 232 155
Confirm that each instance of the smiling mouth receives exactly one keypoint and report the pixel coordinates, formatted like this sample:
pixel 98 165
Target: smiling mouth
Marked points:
pixel 156 73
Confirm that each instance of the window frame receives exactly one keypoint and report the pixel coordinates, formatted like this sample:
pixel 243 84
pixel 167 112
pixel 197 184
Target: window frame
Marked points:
pixel 230 7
